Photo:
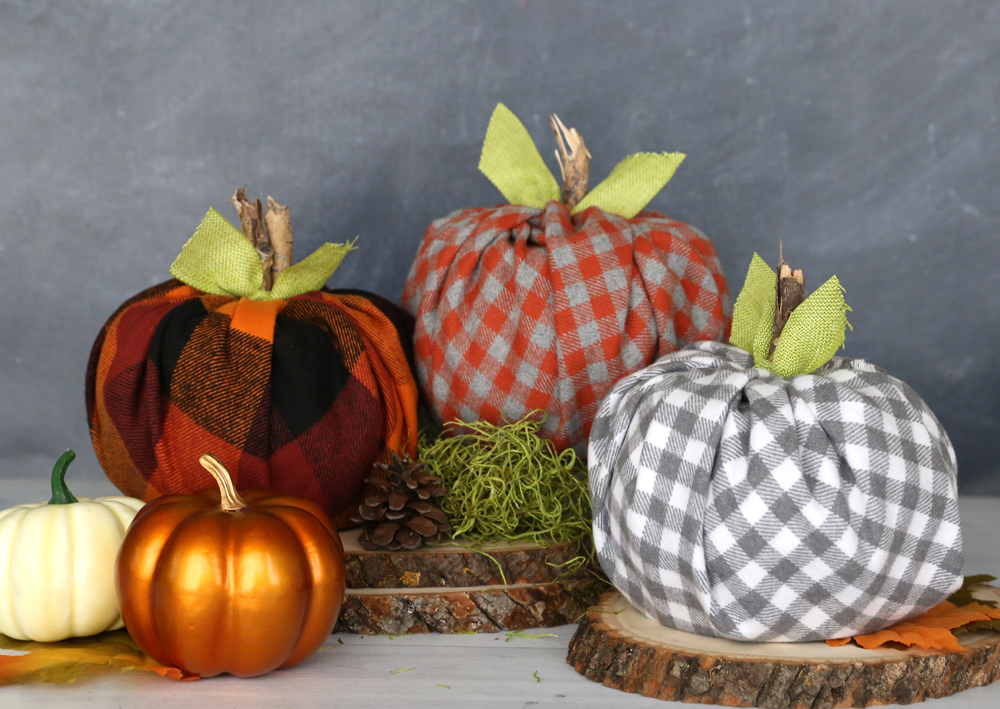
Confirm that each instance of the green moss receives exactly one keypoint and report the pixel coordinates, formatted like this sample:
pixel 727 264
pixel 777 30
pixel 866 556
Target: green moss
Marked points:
pixel 507 483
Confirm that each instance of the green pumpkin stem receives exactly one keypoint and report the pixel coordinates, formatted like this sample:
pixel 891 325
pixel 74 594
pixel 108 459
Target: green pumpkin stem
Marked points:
pixel 60 493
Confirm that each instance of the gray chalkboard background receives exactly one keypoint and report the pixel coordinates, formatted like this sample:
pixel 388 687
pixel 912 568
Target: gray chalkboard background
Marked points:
pixel 865 135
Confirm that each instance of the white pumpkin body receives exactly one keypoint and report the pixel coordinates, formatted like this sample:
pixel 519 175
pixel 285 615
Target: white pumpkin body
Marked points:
pixel 57 567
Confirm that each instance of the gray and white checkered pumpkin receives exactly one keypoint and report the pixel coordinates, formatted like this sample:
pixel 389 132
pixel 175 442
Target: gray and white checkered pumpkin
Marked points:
pixel 732 502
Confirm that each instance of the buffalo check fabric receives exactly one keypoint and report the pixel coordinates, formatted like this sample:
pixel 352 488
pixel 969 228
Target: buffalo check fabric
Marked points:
pixel 731 502
pixel 299 397
pixel 521 309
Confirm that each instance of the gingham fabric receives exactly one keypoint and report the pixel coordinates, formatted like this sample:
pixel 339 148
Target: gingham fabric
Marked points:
pixel 729 501
pixel 519 309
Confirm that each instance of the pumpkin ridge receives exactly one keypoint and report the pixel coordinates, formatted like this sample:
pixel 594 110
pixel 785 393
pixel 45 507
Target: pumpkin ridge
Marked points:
pixel 198 509
pixel 10 519
pixel 312 633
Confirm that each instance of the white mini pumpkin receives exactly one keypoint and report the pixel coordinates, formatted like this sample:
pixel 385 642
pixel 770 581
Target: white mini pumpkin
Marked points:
pixel 57 561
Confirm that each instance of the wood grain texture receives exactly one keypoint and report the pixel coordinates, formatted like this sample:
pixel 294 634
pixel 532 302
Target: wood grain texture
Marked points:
pixel 620 648
pixel 477 609
pixel 452 564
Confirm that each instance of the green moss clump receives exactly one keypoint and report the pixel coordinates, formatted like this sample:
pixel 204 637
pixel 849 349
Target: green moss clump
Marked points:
pixel 507 483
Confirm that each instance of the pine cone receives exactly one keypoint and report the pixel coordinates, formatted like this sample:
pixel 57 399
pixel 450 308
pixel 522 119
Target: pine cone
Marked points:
pixel 400 515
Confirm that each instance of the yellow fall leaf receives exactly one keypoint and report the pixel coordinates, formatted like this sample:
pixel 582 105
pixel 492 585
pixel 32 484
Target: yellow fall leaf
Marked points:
pixel 66 660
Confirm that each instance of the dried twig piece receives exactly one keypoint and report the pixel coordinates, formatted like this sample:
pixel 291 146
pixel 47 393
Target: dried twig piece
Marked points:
pixel 574 162
pixel 254 228
pixel 790 292
pixel 279 229
pixel 244 210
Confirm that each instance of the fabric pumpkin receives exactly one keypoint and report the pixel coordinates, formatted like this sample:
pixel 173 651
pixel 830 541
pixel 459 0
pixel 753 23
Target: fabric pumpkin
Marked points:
pixel 299 395
pixel 537 305
pixel 731 501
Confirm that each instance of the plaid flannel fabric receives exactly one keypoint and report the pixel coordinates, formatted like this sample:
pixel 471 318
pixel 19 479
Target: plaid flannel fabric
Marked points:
pixel 520 309
pixel 729 501
pixel 298 396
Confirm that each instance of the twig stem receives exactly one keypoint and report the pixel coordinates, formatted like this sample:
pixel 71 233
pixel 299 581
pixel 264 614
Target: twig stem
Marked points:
pixel 574 162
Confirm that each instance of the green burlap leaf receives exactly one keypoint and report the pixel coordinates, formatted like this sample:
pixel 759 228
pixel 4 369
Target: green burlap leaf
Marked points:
pixel 312 272
pixel 762 342
pixel 512 162
pixel 220 260
pixel 814 332
pixel 632 184
pixel 754 306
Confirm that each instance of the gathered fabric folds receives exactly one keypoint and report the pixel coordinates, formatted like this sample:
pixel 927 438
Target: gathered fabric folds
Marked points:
pixel 520 309
pixel 729 501
pixel 299 396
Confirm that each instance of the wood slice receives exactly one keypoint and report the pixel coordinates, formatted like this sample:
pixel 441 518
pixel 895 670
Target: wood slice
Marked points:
pixel 621 648
pixel 476 609
pixel 452 564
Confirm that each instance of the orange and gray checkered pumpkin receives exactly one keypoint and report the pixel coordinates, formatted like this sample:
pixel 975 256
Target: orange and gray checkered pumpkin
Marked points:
pixel 298 394
pixel 544 307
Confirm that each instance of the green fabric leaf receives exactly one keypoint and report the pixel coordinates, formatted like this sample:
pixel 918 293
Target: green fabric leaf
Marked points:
pixel 754 306
pixel 512 162
pixel 632 184
pixel 220 260
pixel 814 331
pixel 312 272
pixel 762 341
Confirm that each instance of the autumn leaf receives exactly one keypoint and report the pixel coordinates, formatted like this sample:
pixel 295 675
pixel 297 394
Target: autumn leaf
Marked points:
pixel 934 629
pixel 964 595
pixel 909 634
pixel 67 660
pixel 978 625
pixel 947 615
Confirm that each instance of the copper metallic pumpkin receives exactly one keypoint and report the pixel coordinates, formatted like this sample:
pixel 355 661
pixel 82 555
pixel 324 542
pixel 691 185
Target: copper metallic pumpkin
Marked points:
pixel 215 582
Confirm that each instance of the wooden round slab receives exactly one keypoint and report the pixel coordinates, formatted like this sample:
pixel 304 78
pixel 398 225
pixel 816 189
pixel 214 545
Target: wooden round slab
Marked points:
pixel 621 648
pixel 452 564
pixel 452 588
pixel 475 609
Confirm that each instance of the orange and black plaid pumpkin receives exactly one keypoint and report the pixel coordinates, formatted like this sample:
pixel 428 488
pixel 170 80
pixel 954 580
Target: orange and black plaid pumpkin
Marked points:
pixel 299 395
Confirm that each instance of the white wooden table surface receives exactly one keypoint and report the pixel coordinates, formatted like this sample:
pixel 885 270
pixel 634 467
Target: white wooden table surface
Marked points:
pixel 477 670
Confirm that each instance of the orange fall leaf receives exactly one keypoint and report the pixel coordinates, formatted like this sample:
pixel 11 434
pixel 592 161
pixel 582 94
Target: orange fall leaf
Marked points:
pixel 930 630
pixel 949 616
pixel 909 634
